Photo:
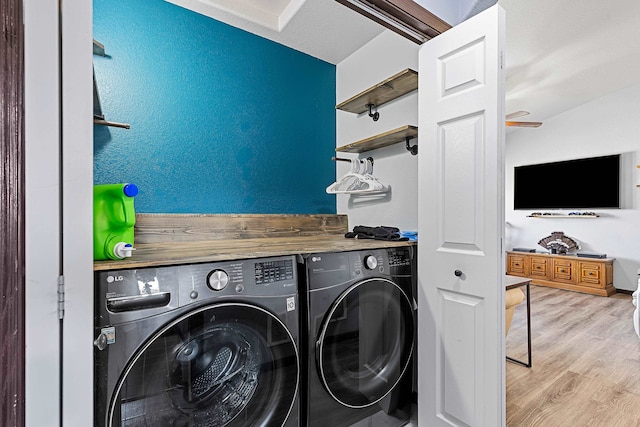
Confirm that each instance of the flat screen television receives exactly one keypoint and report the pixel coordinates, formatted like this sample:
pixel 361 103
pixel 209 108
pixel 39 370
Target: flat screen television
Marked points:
pixel 574 184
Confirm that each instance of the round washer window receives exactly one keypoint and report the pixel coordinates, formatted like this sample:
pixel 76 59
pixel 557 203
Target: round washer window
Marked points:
pixel 365 342
pixel 221 365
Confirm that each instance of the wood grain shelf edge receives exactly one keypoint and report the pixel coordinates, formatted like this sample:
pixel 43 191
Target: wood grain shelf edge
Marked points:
pixel 391 137
pixel 399 84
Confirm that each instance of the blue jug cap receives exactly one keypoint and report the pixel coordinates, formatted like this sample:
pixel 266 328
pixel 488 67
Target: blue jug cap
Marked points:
pixel 130 190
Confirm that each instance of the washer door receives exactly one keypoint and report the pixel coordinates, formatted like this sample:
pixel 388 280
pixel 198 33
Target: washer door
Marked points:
pixel 365 342
pixel 220 365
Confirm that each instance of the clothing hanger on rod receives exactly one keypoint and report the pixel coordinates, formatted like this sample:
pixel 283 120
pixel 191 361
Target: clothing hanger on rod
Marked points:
pixel 359 179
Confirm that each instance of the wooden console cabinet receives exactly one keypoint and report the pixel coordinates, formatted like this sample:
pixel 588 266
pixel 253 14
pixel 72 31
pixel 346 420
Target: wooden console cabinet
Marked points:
pixel 589 275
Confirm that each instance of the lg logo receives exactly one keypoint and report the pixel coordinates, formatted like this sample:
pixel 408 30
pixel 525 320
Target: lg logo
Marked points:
pixel 316 259
pixel 111 279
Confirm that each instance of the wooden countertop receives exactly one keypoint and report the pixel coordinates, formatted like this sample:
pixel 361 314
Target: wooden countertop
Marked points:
pixel 172 253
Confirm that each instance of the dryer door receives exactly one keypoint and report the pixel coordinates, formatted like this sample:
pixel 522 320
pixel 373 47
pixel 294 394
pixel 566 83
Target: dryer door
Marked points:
pixel 365 342
pixel 219 365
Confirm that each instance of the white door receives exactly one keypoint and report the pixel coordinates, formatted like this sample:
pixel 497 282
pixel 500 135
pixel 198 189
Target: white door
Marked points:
pixel 461 225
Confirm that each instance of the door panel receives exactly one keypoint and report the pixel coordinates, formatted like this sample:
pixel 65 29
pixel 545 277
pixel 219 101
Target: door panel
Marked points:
pixel 461 69
pixel 461 211
pixel 460 219
pixel 455 310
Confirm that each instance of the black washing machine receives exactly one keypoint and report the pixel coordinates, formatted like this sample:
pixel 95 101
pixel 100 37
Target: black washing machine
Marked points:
pixel 202 345
pixel 359 312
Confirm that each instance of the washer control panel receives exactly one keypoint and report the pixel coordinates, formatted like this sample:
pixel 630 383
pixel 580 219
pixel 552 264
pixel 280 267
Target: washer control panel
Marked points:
pixel 126 295
pixel 249 277
pixel 273 271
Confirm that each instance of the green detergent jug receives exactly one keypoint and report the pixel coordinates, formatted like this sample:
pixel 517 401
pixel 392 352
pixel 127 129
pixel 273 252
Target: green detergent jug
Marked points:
pixel 113 220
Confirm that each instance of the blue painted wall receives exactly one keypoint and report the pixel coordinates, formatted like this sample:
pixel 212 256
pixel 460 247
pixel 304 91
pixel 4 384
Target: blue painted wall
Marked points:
pixel 222 121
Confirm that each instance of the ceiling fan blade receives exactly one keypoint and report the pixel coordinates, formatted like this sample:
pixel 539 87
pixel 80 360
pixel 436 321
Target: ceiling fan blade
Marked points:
pixel 516 114
pixel 523 124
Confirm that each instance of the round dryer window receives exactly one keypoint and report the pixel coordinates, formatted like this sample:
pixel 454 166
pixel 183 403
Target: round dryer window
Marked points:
pixel 365 342
pixel 220 365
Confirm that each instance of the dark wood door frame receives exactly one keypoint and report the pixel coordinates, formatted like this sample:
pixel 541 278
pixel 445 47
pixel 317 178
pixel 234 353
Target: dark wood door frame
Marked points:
pixel 404 17
pixel 12 216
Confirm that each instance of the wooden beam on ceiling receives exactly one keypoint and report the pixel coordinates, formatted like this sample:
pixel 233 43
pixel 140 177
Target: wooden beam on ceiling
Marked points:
pixel 404 17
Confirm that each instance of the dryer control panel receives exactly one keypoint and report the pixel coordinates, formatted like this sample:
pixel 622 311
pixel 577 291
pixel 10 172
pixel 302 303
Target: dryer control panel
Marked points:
pixel 399 258
pixel 336 268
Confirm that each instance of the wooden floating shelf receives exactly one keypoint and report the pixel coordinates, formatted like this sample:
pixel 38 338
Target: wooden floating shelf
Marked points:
pixel 394 87
pixel 381 140
pixel 563 216
pixel 98 48
pixel 98 117
pixel 111 124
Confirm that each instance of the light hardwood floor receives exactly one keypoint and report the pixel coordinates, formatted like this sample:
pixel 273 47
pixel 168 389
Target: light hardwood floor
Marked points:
pixel 586 362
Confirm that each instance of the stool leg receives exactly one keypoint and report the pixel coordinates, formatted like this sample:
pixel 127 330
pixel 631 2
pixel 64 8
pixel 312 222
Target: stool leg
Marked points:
pixel 529 364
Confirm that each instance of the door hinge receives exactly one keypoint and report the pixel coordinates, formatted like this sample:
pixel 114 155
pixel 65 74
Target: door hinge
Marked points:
pixel 501 60
pixel 60 297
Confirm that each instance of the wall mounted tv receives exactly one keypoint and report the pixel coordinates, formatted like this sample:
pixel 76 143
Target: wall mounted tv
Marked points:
pixel 574 184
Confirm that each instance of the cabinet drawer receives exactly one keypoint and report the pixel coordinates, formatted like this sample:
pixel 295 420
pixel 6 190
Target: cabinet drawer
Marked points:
pixel 515 264
pixel 562 270
pixel 538 267
pixel 590 274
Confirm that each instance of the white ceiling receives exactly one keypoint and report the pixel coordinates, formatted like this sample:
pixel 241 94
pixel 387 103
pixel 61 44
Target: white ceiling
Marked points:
pixel 274 14
pixel 564 53
pixel 560 53
pixel 324 29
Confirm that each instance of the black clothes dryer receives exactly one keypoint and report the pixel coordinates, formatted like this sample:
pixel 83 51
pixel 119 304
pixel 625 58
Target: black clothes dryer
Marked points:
pixel 201 345
pixel 359 312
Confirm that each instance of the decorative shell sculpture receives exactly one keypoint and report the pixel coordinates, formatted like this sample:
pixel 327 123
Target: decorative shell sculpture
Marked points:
pixel 558 243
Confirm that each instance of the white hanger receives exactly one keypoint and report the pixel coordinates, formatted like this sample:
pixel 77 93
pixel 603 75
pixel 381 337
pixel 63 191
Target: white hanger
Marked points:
pixel 368 173
pixel 358 180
